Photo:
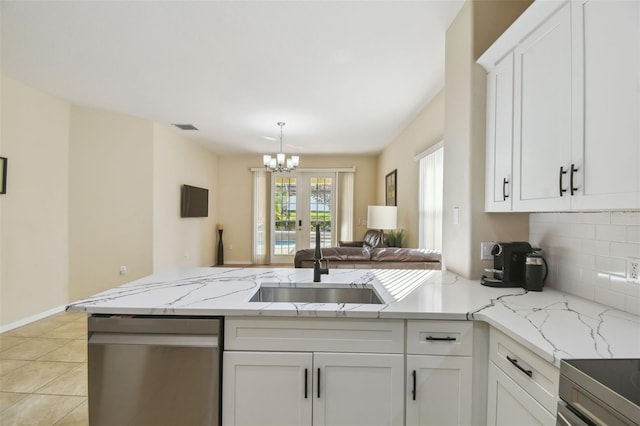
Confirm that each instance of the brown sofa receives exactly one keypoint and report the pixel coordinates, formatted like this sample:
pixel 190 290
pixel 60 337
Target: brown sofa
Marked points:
pixel 370 253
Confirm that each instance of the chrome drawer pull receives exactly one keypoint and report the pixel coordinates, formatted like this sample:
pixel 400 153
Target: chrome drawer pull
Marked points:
pixel 515 362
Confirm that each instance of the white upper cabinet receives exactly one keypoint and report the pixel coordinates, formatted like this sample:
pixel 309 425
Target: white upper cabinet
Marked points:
pixel 542 112
pixel 499 136
pixel 607 36
pixel 576 108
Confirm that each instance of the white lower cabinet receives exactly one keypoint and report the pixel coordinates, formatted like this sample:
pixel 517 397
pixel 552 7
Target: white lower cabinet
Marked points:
pixel 266 388
pixel 313 372
pixel 509 404
pixel 439 373
pixel 523 388
pixel 439 390
pixel 290 388
pixel 358 389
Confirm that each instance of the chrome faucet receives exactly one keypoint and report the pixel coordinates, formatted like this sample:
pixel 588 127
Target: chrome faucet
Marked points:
pixel 317 259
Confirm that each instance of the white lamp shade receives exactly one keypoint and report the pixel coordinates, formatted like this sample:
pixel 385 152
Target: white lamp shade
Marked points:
pixel 382 217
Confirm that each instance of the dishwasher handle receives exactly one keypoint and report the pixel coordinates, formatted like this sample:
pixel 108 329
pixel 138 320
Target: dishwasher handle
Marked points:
pixel 184 340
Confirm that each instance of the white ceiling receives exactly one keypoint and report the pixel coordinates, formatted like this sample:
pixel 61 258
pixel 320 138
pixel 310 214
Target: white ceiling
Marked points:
pixel 345 76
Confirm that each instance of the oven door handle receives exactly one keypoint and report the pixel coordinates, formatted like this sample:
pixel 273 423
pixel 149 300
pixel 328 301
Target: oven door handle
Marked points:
pixel 566 417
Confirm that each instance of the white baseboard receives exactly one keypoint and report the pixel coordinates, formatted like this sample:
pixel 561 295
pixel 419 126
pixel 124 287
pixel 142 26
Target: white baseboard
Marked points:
pixel 32 318
pixel 237 262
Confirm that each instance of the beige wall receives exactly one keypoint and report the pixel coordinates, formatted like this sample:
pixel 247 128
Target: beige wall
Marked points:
pixel 111 200
pixel 34 242
pixel 424 131
pixel 90 191
pixel 180 241
pixel 235 196
pixel 464 142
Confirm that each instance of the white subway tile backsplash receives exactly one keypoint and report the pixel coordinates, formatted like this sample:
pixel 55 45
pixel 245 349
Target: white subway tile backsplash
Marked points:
pixel 610 298
pixel 586 291
pixel 611 265
pixel 632 305
pixel 625 250
pixel 611 232
pixel 569 217
pixel 543 217
pixel 633 234
pixel 597 218
pixel 625 218
pixel 620 285
pixel 595 247
pixel 578 230
pixel 587 254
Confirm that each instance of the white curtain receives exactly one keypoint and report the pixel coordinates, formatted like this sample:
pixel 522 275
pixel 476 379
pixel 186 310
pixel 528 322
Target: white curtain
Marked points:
pixel 345 205
pixel 260 249
pixel 430 202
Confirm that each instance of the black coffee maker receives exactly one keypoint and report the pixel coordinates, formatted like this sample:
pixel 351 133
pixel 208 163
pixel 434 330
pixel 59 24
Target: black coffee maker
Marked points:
pixel 508 265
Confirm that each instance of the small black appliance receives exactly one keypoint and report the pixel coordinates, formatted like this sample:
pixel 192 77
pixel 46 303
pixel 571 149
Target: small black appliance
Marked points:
pixel 535 271
pixel 508 265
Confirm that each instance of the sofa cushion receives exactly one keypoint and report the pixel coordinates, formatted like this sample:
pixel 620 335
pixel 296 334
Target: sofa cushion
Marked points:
pixel 372 239
pixel 393 254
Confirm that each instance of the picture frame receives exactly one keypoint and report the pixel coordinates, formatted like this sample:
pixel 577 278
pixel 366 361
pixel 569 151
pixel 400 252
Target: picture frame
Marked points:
pixel 391 187
pixel 3 175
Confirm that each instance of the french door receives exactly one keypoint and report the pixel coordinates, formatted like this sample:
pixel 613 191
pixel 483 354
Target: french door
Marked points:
pixel 299 201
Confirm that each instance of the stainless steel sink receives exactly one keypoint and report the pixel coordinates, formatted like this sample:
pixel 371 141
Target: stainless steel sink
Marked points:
pixel 325 293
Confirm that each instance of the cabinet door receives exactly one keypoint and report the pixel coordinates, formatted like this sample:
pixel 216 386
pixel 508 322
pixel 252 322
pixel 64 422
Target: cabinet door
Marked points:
pixel 607 39
pixel 508 404
pixel 439 390
pixel 266 388
pixel 499 147
pixel 358 389
pixel 543 115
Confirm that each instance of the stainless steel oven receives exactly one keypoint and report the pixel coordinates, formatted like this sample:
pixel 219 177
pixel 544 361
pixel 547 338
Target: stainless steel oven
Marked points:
pixel 599 392
pixel 154 370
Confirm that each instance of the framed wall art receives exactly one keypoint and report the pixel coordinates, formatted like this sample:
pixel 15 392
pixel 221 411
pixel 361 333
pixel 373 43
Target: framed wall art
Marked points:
pixel 391 186
pixel 3 175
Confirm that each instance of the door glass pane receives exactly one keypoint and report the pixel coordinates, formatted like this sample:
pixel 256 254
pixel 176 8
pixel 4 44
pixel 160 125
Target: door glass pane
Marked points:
pixel 285 220
pixel 320 201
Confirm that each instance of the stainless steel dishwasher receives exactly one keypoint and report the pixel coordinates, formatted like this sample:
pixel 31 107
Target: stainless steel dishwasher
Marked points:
pixel 154 370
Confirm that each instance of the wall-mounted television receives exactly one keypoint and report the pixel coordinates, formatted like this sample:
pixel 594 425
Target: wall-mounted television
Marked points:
pixel 194 202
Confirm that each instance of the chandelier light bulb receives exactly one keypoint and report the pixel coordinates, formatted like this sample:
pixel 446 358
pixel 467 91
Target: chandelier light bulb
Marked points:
pixel 280 163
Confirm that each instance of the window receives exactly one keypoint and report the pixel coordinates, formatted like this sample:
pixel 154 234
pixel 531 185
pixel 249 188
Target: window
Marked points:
pixel 430 197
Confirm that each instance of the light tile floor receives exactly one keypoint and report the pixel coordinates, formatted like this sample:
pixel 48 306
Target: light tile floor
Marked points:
pixel 43 372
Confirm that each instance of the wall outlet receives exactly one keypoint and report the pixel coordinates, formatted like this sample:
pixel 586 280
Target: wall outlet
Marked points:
pixel 123 270
pixel 633 270
pixel 485 250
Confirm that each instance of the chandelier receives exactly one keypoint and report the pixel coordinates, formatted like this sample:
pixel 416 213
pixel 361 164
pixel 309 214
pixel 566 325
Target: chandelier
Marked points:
pixel 280 163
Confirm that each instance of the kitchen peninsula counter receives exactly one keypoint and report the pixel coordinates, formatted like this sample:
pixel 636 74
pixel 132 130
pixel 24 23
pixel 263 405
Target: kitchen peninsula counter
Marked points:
pixel 550 323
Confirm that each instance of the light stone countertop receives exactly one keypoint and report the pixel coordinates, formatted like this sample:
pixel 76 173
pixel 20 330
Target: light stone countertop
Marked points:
pixel 552 324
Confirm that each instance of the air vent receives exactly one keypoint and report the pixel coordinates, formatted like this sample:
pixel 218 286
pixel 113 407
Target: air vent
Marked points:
pixel 186 126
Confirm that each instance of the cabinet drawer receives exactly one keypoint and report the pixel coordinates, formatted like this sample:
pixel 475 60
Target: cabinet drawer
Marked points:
pixel 314 335
pixel 440 337
pixel 536 376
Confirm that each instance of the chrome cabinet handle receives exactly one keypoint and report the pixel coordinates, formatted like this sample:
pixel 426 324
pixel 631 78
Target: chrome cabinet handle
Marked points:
pixel 504 191
pixel 515 363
